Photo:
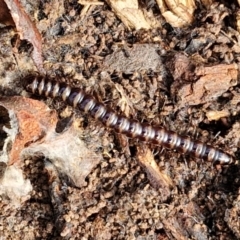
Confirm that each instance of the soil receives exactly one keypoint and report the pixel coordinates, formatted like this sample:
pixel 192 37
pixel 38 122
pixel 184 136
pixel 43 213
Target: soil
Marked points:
pixel 185 79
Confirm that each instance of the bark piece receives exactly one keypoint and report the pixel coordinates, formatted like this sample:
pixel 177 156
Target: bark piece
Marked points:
pixel 213 82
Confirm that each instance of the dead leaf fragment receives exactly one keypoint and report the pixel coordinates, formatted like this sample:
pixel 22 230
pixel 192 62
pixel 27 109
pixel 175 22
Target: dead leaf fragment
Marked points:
pixel 27 30
pixel 124 102
pixel 32 134
pixel 68 153
pixel 29 120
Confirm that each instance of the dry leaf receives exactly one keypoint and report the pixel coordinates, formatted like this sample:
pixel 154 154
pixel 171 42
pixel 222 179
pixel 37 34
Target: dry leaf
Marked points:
pixel 27 30
pixel 68 153
pixel 32 134
pixel 29 121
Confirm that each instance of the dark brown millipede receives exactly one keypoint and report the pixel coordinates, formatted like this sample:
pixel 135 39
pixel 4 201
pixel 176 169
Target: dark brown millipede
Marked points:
pixel 121 124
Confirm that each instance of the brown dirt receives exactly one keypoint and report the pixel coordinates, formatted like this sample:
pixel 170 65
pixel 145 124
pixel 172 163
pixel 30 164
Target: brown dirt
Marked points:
pixel 185 79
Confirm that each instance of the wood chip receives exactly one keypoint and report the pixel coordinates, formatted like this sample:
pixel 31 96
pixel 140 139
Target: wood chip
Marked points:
pixel 177 13
pixel 216 115
pixel 130 13
pixel 157 178
pixel 213 82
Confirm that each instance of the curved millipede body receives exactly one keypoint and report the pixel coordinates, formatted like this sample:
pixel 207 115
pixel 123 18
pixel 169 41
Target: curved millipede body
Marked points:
pixel 132 128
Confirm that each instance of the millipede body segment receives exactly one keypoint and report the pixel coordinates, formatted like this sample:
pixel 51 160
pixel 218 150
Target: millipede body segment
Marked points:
pixel 121 124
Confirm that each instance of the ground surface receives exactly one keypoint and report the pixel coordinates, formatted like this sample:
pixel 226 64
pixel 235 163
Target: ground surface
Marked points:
pixel 185 79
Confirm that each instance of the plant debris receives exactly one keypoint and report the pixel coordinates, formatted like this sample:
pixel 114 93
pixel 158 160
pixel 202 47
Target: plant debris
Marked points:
pixel 212 83
pixel 32 134
pixel 167 63
pixel 26 30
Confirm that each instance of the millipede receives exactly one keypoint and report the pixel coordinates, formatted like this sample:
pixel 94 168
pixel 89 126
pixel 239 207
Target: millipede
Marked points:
pixel 77 98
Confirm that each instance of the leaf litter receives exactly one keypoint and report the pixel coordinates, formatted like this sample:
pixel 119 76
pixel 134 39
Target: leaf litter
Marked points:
pixel 119 198
pixel 32 134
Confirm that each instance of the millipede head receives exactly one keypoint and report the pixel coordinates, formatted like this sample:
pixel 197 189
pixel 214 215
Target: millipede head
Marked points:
pixel 31 83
